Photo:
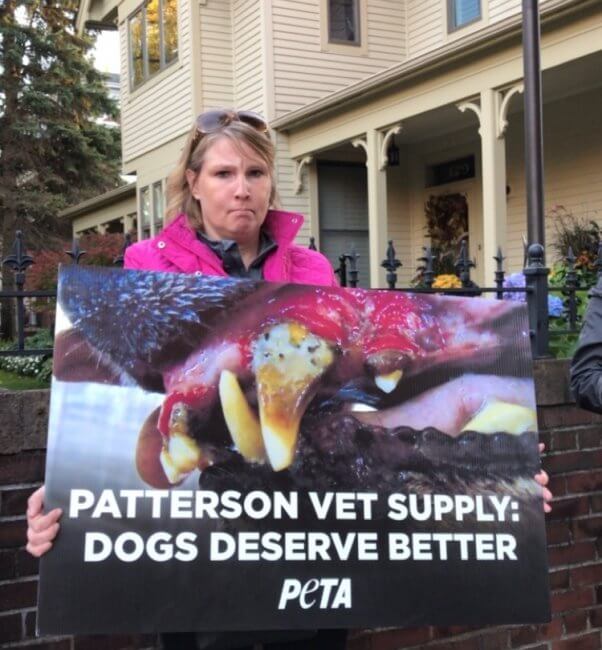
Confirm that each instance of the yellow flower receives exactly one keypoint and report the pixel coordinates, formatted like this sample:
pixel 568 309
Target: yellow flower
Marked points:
pixel 447 281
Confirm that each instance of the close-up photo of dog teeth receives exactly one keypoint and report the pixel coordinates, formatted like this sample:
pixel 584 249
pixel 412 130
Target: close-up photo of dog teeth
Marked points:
pixel 301 386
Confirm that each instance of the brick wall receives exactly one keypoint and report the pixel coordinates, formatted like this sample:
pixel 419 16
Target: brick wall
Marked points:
pixel 573 459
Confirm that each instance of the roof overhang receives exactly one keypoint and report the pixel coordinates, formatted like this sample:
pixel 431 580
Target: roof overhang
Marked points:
pixel 96 14
pixel 489 38
pixel 100 201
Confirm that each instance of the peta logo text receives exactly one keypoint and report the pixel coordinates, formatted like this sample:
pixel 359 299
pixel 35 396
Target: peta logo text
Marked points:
pixel 323 593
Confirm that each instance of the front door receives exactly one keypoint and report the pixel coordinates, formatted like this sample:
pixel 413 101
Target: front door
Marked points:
pixel 343 214
pixel 457 208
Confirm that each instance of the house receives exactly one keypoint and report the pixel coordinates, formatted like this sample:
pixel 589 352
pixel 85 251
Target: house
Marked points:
pixel 436 84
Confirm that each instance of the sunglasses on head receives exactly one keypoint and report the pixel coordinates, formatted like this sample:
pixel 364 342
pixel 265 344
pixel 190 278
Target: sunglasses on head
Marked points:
pixel 212 121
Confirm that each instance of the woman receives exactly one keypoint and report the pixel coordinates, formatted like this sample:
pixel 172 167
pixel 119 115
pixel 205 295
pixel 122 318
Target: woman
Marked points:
pixel 220 223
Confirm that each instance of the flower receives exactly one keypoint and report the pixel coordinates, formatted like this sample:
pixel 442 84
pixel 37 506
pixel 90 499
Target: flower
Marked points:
pixel 555 306
pixel 447 281
pixel 517 281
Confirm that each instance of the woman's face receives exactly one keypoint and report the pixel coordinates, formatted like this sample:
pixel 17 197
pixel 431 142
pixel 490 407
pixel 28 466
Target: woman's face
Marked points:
pixel 233 188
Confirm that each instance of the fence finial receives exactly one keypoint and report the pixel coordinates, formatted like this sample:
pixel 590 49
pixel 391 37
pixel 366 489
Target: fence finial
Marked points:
pixel 499 273
pixel 463 266
pixel 391 264
pixel 353 256
pixel 18 261
pixel 75 253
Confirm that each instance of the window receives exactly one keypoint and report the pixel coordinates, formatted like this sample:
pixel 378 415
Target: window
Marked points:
pixel 344 22
pixel 158 209
pixel 153 31
pixel 450 171
pixel 145 213
pixel 463 12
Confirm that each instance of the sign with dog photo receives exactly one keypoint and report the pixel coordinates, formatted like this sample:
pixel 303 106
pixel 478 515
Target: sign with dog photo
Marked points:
pixel 238 455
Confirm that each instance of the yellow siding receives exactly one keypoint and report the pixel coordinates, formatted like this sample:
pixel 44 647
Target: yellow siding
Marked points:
pixel 500 9
pixel 426 26
pixel 572 168
pixel 161 108
pixel 304 73
pixel 248 43
pixel 285 168
pixel 215 67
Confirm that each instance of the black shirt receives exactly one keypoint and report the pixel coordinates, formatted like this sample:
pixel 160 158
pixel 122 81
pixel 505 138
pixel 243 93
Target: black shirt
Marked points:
pixel 228 252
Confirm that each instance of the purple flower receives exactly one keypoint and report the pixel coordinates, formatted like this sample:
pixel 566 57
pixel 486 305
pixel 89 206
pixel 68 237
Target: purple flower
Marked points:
pixel 517 281
pixel 555 306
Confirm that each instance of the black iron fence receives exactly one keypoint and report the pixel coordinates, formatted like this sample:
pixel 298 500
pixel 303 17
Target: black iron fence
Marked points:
pixel 568 296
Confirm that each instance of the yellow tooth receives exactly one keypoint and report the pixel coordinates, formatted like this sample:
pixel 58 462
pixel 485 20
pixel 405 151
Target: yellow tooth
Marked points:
pixel 181 453
pixel 388 382
pixel 503 417
pixel 179 457
pixel 240 419
pixel 287 361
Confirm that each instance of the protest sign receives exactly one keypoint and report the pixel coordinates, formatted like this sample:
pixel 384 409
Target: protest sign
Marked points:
pixel 237 455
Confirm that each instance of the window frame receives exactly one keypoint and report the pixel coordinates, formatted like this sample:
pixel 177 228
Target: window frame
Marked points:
pixel 344 47
pixel 157 211
pixel 358 26
pixel 163 64
pixel 451 24
pixel 145 228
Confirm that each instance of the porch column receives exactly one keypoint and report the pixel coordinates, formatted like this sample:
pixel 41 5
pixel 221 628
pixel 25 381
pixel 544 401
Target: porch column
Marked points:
pixel 128 223
pixel 492 114
pixel 377 204
pixel 493 162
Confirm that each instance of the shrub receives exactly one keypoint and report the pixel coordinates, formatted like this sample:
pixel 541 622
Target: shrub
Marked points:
pixel 100 250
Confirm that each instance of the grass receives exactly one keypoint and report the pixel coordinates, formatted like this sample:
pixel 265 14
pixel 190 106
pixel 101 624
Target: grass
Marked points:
pixel 11 381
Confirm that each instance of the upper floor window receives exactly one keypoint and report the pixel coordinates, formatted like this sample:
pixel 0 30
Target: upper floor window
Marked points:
pixel 463 12
pixel 153 32
pixel 344 21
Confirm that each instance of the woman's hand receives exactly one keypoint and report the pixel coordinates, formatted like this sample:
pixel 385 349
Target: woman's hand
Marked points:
pixel 41 528
pixel 543 479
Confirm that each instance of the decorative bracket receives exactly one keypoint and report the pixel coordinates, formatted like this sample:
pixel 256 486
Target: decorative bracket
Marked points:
pixel 299 165
pixel 475 108
pixel 383 161
pixel 502 117
pixel 361 142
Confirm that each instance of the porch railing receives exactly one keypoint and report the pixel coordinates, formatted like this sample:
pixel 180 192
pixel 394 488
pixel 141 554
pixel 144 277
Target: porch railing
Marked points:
pixel 535 289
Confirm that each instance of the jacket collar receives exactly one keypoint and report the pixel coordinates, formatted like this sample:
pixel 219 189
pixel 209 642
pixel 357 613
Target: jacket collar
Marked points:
pixel 282 227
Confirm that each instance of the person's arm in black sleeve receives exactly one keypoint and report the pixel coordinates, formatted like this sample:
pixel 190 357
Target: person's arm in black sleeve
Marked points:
pixel 586 368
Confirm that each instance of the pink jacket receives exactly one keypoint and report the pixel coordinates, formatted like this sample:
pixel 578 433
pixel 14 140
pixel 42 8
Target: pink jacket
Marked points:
pixel 178 249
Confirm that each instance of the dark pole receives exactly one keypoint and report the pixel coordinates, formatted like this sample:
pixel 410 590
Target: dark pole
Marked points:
pixel 533 124
pixel 536 273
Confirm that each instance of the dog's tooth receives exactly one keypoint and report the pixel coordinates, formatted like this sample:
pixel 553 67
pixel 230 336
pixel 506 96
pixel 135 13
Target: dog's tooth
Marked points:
pixel 288 359
pixel 388 382
pixel 242 422
pixel 179 457
pixel 498 417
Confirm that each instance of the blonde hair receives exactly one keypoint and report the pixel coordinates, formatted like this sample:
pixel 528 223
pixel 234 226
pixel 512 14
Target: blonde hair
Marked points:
pixel 178 194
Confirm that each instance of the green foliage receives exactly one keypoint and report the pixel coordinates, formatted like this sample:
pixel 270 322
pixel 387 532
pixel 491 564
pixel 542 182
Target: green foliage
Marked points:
pixel 582 236
pixel 11 381
pixel 37 366
pixel 563 344
pixel 54 148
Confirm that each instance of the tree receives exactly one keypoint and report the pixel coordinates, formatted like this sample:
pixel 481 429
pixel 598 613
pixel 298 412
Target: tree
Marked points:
pixel 54 151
